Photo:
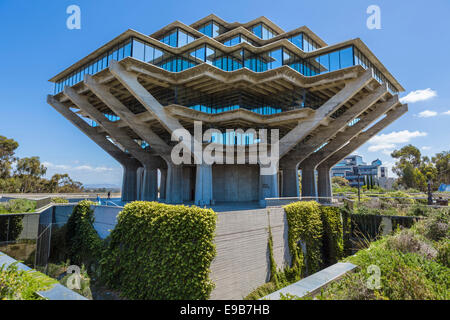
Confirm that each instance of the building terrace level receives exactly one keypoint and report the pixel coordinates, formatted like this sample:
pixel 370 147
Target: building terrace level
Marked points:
pixel 135 93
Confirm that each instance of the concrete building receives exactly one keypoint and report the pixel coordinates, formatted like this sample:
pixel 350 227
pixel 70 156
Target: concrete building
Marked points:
pixel 135 93
pixel 345 169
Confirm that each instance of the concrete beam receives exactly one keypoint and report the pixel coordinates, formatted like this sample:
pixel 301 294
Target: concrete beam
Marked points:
pixel 130 81
pixel 296 135
pixel 344 136
pixel 150 162
pixel 133 121
pixel 303 150
pixel 363 137
pixel 129 164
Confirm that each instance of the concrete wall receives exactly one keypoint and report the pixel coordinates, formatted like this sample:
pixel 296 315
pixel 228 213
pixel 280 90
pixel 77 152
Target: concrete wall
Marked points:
pixel 242 261
pixel 235 182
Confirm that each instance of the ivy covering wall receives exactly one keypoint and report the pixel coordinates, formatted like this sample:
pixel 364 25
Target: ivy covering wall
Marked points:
pixel 158 251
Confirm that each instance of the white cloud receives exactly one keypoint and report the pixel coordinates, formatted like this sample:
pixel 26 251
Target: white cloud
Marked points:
pixel 86 173
pixel 446 113
pixel 427 114
pixel 426 148
pixel 386 143
pixel 418 95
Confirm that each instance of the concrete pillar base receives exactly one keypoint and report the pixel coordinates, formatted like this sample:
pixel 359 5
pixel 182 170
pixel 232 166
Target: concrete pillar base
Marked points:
pixel 309 182
pixel 203 185
pixel 174 188
pixel 290 182
pixel 163 184
pixel 324 184
pixel 129 183
pixel 150 184
pixel 268 186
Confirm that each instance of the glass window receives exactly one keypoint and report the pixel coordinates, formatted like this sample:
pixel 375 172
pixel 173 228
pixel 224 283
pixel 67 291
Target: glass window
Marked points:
pixel 277 60
pixel 297 40
pixel 334 61
pixel 173 39
pixel 324 63
pixel 209 29
pixel 346 57
pixel 182 38
pixel 215 30
pixel 127 50
pixel 149 54
pixel 138 50
pixel 257 30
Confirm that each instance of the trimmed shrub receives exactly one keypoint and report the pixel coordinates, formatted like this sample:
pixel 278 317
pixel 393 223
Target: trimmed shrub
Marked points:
pixel 83 243
pixel 305 227
pixel 333 241
pixel 59 200
pixel 159 251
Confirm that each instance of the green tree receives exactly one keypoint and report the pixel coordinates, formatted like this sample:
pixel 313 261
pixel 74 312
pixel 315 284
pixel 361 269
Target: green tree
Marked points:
pixel 442 163
pixel 7 149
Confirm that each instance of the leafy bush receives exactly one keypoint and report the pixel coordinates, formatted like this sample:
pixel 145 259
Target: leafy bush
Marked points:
pixel 59 200
pixel 18 206
pixel 159 251
pixel 333 241
pixel 83 243
pixel 305 227
pixel 17 284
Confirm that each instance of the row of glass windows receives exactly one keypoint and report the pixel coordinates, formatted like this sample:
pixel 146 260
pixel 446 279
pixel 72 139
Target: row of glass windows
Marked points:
pixel 263 31
pixel 276 58
pixel 122 51
pixel 264 110
pixel 236 40
pixel 362 60
pixel 177 38
pixel 211 29
pixel 304 42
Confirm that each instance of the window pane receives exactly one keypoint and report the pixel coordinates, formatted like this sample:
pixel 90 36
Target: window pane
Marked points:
pixel 257 30
pixel 127 50
pixel 182 38
pixel 149 54
pixel 324 63
pixel 208 29
pixel 173 39
pixel 334 61
pixel 215 30
pixel 346 57
pixel 138 50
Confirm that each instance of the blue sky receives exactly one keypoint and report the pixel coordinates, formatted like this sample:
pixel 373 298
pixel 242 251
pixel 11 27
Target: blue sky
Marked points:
pixel 414 44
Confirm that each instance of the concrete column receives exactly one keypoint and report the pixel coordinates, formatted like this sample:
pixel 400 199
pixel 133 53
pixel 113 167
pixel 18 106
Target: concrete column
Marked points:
pixel 150 184
pixel 163 184
pixel 324 184
pixel 129 182
pixel 308 182
pixel 140 176
pixel 290 182
pixel 268 184
pixel 203 185
pixel 174 187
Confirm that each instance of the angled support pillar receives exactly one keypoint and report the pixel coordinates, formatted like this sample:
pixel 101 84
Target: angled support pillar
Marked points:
pixel 140 176
pixel 150 162
pixel 309 189
pixel 290 181
pixel 203 185
pixel 141 128
pixel 130 165
pixel 303 150
pixel 362 138
pixel 296 135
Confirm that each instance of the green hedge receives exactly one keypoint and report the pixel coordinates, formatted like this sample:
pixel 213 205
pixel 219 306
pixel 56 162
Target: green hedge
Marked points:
pixel 83 243
pixel 305 226
pixel 333 240
pixel 158 251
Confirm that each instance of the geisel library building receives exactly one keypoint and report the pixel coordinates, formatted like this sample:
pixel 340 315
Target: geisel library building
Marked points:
pixel 137 92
